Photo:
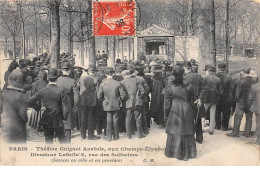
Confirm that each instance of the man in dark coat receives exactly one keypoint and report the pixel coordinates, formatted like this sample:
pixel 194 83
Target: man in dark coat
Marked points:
pixel 104 56
pixel 69 87
pixel 122 115
pixel 41 83
pixel 112 92
pixel 14 115
pixel 224 106
pixel 133 103
pixel 101 115
pixel 23 69
pixel 243 105
pixel 211 90
pixel 195 80
pixel 32 72
pixel 88 103
pixel 254 96
pixel 56 108
pixel 194 66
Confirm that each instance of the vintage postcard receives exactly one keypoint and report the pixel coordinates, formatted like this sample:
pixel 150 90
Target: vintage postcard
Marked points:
pixel 129 82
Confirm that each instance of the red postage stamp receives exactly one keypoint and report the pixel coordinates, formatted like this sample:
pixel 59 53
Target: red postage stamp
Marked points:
pixel 114 18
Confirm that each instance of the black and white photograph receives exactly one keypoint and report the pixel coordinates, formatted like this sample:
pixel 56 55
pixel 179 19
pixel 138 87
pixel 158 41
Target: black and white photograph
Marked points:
pixel 129 83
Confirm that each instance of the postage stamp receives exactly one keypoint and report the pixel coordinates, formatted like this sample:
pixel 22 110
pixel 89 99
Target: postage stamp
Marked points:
pixel 114 18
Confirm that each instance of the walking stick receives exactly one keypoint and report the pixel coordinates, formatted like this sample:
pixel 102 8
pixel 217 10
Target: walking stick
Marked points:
pixel 197 115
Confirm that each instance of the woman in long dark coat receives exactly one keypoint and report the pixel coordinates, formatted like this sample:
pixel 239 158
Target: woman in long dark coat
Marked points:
pixel 158 83
pixel 179 116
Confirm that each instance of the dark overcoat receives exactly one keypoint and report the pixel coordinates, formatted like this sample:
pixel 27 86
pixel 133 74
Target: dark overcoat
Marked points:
pixel 135 92
pixel 56 104
pixel 254 96
pixel 14 115
pixel 211 89
pixel 195 80
pixel 158 83
pixel 178 109
pixel 112 92
pixel 242 92
pixel 88 86
pixel 228 85
pixel 68 85
pixel 36 87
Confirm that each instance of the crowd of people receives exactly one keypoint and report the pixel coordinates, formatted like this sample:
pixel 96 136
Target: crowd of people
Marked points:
pixel 127 99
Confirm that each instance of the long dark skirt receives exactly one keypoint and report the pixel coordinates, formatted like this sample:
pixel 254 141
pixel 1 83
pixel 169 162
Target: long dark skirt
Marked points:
pixel 181 147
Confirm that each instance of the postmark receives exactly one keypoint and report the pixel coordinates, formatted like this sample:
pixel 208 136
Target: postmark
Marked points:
pixel 114 18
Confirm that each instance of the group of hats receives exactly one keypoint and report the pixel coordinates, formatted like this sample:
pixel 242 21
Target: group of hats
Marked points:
pixel 157 68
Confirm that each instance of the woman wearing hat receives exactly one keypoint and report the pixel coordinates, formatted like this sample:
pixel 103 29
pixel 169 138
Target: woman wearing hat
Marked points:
pixel 178 111
pixel 158 83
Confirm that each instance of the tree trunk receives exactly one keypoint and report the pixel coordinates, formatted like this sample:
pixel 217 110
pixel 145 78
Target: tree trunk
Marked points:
pixel 23 41
pixel 36 33
pixel 27 46
pixel 235 14
pixel 227 42
pixel 92 47
pixel 70 41
pixel 42 44
pixel 129 48
pixel 189 18
pixel 107 47
pixel 55 33
pixel 112 51
pixel 49 15
pixel 81 42
pixel 14 48
pixel 206 34
pixel 6 48
pixel 243 37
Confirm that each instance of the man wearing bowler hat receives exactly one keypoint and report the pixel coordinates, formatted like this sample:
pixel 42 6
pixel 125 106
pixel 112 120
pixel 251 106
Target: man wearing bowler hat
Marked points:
pixel 122 115
pixel 223 110
pixel 88 103
pixel 195 80
pixel 112 93
pixel 56 106
pixel 243 104
pixel 68 85
pixel 211 90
